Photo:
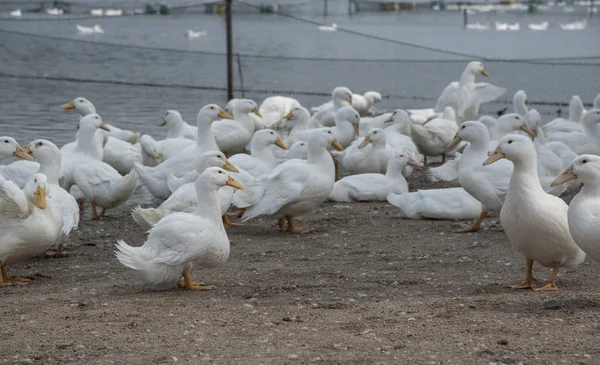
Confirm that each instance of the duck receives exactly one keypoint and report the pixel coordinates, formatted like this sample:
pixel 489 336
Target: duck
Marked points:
pixel 535 222
pixel 256 117
pixel 572 124
pixel 581 142
pixel 324 115
pixel 232 137
pixel 465 96
pixel 298 150
pixel 48 156
pixel 487 184
pixel 19 171
pixel 87 148
pixel 177 127
pixel 582 214
pixel 374 186
pixel 298 119
pixel 520 102
pixel 29 223
pixel 177 139
pixel 274 108
pixel 261 160
pixel 182 240
pixel 369 154
pixel 183 199
pixel 363 103
pixel 98 181
pixel 448 204
pixel 296 186
pixel 155 178
pixel 433 137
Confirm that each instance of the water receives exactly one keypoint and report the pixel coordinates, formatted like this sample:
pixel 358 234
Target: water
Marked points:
pixel 30 107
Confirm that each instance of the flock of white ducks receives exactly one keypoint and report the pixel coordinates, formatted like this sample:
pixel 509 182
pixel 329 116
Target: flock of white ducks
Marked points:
pixel 241 156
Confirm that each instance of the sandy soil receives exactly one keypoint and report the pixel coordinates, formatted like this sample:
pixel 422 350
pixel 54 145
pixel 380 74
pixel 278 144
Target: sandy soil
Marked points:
pixel 365 287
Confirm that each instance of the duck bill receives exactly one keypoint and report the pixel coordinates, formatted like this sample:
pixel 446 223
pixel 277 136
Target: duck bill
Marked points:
pixel 527 102
pixel 255 111
pixel 159 158
pixel 525 128
pixel 414 163
pixel 163 123
pixel 389 120
pixel 497 155
pixel 565 177
pixel 40 198
pixel 484 73
pixel 279 143
pixel 234 184
pixel 365 142
pixel 23 153
pixel 288 116
pixel 455 141
pixel 223 114
pixel 356 127
pixel 104 127
pixel 335 144
pixel 229 167
pixel 68 106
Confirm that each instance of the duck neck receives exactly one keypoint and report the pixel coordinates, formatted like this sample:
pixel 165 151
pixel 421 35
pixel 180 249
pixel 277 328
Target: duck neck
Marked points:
pixel 50 168
pixel 394 172
pixel 175 129
pixel 301 124
pixel 575 111
pixel 591 190
pixel 86 143
pixel 244 120
pixel 205 139
pixel 345 129
pixel 467 78
pixel 262 152
pixel 475 153
pixel 525 176
pixel 208 203
pixel 520 107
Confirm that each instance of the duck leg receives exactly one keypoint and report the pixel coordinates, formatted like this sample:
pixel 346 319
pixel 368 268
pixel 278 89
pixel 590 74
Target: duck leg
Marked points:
pixel 443 158
pixel 102 212
pixel 95 215
pixel 228 224
pixel 6 280
pixel 292 228
pixel 189 284
pixel 551 286
pixel 81 208
pixel 59 251
pixel 425 160
pixel 338 173
pixel 475 226
pixel 529 279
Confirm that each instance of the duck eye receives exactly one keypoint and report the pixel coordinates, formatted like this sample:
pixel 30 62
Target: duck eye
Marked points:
pixel 220 172
pixel 34 180
pixel 509 142
pixel 463 127
pixel 96 117
pixel 584 161
pixel 272 133
pixel 167 113
pixel 6 141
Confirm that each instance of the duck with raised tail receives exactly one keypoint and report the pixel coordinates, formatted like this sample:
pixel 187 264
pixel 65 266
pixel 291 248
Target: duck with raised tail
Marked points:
pixel 183 240
pixel 583 210
pixel 534 221
pixel 29 223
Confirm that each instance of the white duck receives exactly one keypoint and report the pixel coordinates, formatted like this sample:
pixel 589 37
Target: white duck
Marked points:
pixel 374 186
pixel 177 139
pixel 183 240
pixel 19 171
pixel 466 96
pixel 177 127
pixel 583 211
pixel 325 114
pixel 298 119
pixel 48 156
pixel 274 108
pixel 432 138
pixel 487 184
pixel 520 102
pixel 97 180
pixel 449 204
pixel 298 150
pixel 155 178
pixel 29 223
pixel 363 103
pixel 232 137
pixel 534 221
pixel 183 198
pixel 582 143
pixel 256 117
pixel 369 154
pixel 297 186
pixel 572 124
pixel 261 160
pixel 150 155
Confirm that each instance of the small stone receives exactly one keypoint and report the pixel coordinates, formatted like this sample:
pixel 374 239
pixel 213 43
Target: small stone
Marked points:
pixel 293 357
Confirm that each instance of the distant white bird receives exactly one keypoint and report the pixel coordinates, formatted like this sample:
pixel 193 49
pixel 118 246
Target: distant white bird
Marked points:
pixel 191 34
pixel 16 12
pixel 478 26
pixel 55 11
pixel 97 12
pixel 328 28
pixel 501 26
pixel 539 26
pixel 113 12
pixel 89 30
pixel 569 9
pixel 580 25
pixel 514 27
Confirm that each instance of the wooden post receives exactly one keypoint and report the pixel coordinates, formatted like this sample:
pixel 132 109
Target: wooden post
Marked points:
pixel 465 18
pixel 239 62
pixel 325 8
pixel 229 50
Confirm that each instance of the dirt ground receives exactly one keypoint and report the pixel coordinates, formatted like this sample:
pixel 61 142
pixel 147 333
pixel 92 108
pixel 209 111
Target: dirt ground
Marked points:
pixel 365 288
